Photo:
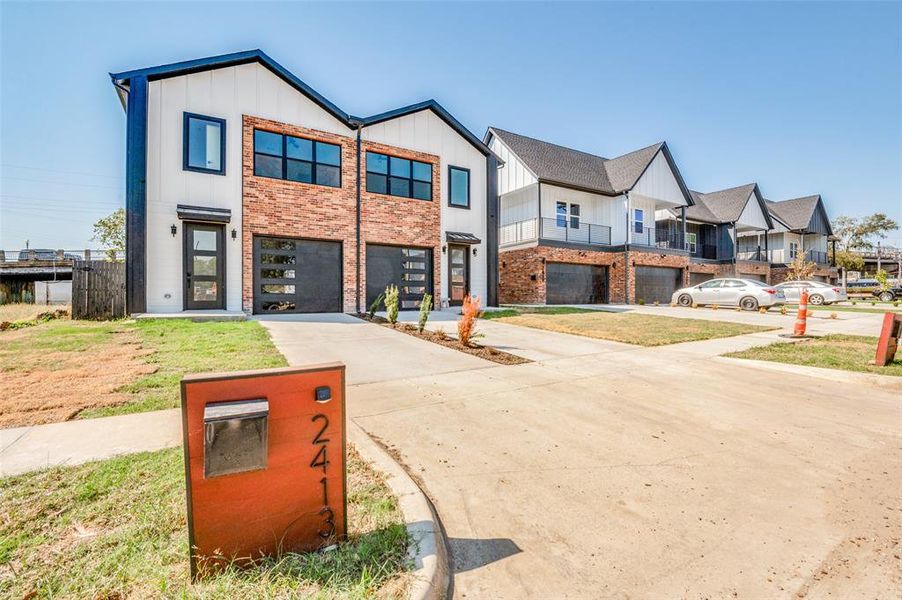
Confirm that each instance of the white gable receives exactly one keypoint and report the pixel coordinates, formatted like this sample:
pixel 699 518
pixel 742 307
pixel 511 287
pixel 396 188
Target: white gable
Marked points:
pixel 513 175
pixel 752 216
pixel 659 184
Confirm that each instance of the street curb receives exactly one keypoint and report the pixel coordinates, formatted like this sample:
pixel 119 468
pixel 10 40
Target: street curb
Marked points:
pixel 835 375
pixel 428 549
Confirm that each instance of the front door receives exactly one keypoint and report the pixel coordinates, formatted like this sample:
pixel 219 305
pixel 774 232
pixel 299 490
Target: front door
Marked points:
pixel 459 274
pixel 204 266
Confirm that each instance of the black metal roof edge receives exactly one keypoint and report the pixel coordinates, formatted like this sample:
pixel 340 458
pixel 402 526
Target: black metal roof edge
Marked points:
pixel 229 60
pixel 440 111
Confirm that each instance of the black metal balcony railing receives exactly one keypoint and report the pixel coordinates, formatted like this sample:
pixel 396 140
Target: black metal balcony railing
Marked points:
pixel 658 238
pixel 575 231
pixel 816 256
pixel 706 251
pixel 758 254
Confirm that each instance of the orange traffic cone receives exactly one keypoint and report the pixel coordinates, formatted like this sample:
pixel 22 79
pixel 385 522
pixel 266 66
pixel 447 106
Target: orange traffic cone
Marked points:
pixel 802 315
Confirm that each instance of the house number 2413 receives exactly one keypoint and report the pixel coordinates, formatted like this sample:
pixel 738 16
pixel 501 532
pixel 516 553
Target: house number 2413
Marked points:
pixel 321 461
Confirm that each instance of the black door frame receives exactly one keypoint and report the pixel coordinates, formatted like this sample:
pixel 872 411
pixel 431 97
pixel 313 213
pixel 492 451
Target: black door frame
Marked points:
pixel 466 250
pixel 188 228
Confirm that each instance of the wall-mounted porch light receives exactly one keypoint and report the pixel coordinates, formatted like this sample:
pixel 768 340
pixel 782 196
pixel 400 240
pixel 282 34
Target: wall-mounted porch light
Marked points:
pixel 173 229
pixel 234 234
pixel 444 248
pixel 474 250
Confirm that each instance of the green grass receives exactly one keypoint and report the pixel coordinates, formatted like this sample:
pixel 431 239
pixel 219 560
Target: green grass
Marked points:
pixel 845 352
pixel 854 309
pixel 180 347
pixel 534 310
pixel 117 529
pixel 633 328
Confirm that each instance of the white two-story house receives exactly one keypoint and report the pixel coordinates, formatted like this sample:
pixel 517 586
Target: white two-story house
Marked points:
pixel 580 228
pixel 247 190
pixel 801 228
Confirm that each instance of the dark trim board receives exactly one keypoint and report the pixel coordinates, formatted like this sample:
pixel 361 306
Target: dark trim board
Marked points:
pixel 491 234
pixel 136 197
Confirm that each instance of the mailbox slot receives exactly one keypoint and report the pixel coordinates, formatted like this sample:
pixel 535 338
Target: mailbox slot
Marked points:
pixel 235 437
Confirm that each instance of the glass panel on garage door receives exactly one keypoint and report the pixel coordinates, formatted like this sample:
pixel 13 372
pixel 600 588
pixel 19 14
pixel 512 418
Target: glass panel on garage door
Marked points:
pixel 408 268
pixel 697 278
pixel 657 284
pixel 575 284
pixel 297 276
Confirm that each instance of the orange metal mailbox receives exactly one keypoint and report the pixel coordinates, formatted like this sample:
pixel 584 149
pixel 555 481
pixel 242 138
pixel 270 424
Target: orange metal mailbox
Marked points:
pixel 889 339
pixel 265 463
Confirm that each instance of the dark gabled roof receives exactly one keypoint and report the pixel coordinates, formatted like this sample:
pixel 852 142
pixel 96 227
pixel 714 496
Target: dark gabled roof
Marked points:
pixel 797 214
pixel 726 206
pixel 230 60
pixel 239 58
pixel 556 164
pixel 436 108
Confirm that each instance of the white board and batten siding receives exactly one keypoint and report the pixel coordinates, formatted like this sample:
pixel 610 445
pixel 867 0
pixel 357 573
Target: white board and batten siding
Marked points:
pixel 752 216
pixel 226 93
pixel 513 175
pixel 659 185
pixel 424 131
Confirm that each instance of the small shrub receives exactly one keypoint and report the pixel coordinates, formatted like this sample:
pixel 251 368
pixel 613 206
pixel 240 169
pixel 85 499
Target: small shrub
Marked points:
pixel 391 303
pixel 873 303
pixel 657 303
pixel 673 305
pixel 833 315
pixel 466 327
pixel 895 303
pixel 783 309
pixel 694 305
pixel 738 309
pixel 440 333
pixel 641 301
pixel 375 305
pixel 762 310
pixel 854 303
pixel 714 307
pixel 425 309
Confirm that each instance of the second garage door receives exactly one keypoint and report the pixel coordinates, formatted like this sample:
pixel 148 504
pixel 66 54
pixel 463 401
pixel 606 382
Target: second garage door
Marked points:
pixel 296 276
pixel 657 284
pixel 697 278
pixel 575 284
pixel 408 268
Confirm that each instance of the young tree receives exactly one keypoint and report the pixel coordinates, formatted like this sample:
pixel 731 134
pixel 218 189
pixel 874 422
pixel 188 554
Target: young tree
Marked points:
pixel 800 269
pixel 857 233
pixel 110 231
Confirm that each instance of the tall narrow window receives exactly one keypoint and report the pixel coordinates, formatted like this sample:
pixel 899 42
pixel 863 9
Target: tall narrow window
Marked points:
pixel 459 187
pixel 561 214
pixel 203 144
pixel 296 159
pixel 574 216
pixel 692 238
pixel 638 220
pixel 793 249
pixel 398 176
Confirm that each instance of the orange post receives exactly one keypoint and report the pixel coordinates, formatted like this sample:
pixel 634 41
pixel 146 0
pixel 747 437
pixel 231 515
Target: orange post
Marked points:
pixel 802 315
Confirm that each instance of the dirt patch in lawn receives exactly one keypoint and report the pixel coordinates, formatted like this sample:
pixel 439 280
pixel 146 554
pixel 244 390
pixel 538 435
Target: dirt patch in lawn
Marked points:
pixel 486 352
pixel 50 384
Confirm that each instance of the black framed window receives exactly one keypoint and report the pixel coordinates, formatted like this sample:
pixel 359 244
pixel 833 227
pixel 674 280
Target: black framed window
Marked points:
pixel 203 144
pixel 459 187
pixel 561 215
pixel 398 176
pixel 296 159
pixel 574 216
pixel 638 220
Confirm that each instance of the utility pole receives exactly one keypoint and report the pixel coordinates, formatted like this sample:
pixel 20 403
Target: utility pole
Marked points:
pixel 878 255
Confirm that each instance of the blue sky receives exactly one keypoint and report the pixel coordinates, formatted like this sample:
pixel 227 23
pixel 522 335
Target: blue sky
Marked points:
pixel 801 97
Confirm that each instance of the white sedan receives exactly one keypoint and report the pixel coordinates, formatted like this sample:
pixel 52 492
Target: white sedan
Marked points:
pixel 818 292
pixel 746 293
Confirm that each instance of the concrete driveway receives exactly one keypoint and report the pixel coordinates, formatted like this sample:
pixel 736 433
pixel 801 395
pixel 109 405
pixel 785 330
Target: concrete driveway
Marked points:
pixel 635 472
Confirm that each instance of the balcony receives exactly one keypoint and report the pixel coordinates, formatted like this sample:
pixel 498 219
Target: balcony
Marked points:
pixel 817 256
pixel 703 251
pixel 560 229
pixel 757 255
pixel 654 237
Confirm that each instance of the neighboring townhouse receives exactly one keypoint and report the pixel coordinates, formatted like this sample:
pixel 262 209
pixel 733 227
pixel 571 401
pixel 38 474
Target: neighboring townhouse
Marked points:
pixel 726 234
pixel 801 228
pixel 247 190
pixel 580 228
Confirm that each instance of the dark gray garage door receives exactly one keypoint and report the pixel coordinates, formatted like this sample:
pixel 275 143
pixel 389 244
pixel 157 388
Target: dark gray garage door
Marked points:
pixel 657 283
pixel 297 276
pixel 408 268
pixel 697 278
pixel 575 284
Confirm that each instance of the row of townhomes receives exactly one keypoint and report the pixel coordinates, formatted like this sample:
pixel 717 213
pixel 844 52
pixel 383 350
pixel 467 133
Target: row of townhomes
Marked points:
pixel 248 191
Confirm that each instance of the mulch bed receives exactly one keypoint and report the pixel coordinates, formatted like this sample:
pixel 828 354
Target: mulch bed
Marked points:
pixel 486 352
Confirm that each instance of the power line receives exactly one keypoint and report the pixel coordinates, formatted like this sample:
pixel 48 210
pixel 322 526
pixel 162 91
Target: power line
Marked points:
pixel 92 185
pixel 7 165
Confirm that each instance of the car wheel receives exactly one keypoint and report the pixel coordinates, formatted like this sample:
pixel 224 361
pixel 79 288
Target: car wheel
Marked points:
pixel 748 303
pixel 886 296
pixel 684 300
pixel 816 299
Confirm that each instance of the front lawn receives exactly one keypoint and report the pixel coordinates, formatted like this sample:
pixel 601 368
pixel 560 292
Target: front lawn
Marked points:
pixel 533 310
pixel 846 352
pixel 633 328
pixel 65 369
pixel 117 529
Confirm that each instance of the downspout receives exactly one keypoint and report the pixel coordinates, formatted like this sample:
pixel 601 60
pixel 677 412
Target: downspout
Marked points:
pixel 626 252
pixel 735 238
pixel 357 278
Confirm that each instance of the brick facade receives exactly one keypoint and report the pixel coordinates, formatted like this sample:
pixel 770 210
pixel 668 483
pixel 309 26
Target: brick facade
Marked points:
pixel 293 209
pixel 781 273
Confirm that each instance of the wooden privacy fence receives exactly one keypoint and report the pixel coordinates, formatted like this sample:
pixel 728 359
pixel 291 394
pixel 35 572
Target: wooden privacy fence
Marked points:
pixel 98 289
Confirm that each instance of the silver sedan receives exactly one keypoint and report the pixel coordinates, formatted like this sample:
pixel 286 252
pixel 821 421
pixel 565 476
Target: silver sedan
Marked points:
pixel 746 293
pixel 818 292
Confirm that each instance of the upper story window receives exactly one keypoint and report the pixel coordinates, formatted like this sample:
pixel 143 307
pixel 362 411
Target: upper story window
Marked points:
pixel 459 187
pixel 793 249
pixel 398 176
pixel 638 220
pixel 562 214
pixel 691 239
pixel 203 144
pixel 296 159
